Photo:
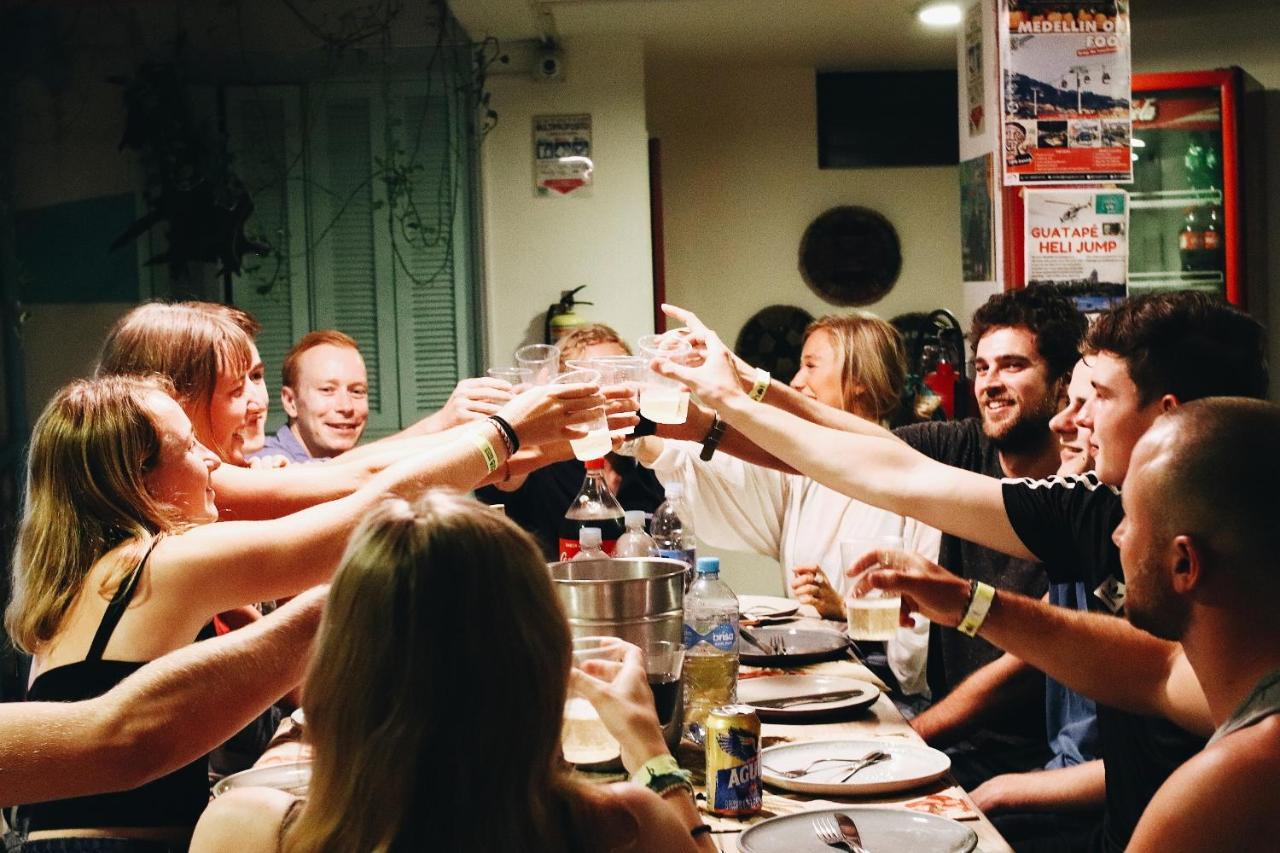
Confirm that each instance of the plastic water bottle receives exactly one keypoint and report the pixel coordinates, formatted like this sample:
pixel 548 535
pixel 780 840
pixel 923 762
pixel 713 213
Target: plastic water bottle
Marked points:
pixel 672 530
pixel 635 542
pixel 589 539
pixel 710 643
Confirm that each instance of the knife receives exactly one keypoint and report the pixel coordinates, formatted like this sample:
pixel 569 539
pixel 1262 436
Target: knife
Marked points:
pixel 849 830
pixel 787 702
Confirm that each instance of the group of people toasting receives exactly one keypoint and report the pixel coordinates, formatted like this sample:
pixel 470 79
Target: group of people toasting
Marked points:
pixel 434 693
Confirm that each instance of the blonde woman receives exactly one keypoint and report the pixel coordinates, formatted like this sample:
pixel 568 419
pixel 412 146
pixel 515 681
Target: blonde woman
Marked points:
pixel 209 358
pixel 438 728
pixel 854 362
pixel 116 562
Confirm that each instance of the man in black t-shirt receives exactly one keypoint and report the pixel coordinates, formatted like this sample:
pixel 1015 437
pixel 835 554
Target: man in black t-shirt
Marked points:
pixel 1150 354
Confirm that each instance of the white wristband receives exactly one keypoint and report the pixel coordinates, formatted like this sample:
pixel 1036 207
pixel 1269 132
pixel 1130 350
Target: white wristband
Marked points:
pixel 980 597
pixel 758 390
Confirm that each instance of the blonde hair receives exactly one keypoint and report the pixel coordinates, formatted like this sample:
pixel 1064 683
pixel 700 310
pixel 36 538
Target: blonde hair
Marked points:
pixel 410 703
pixel 874 361
pixel 85 495
pixel 188 344
pixel 573 344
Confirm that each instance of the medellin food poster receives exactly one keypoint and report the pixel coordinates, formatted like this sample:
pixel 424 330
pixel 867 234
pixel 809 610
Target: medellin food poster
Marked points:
pixel 1065 90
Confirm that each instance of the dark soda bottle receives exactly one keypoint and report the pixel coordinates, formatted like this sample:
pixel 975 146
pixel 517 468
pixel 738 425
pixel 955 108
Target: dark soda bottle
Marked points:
pixel 594 506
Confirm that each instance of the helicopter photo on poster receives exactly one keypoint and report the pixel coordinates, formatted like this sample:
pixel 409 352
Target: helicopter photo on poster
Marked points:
pixel 1065 79
pixel 1078 241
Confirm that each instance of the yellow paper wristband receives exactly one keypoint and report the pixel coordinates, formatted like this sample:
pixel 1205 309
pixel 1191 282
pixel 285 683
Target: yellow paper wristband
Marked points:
pixel 486 450
pixel 979 606
pixel 758 390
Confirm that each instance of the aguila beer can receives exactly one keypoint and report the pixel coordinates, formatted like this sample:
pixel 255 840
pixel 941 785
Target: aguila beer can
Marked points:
pixel 733 760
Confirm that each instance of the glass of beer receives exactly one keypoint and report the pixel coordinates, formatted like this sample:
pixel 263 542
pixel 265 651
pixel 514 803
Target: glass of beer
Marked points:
pixel 584 738
pixel 663 400
pixel 873 616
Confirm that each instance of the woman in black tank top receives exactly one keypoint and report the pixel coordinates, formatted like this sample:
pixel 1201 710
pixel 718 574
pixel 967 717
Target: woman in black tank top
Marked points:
pixel 117 562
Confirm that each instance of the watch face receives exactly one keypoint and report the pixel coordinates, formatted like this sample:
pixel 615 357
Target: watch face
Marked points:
pixel 773 339
pixel 850 256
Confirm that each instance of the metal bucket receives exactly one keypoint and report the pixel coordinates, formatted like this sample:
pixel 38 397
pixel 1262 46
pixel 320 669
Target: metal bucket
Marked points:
pixel 637 599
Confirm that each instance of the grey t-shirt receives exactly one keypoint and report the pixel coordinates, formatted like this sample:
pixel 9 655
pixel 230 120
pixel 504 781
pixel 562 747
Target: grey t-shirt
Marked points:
pixel 1262 702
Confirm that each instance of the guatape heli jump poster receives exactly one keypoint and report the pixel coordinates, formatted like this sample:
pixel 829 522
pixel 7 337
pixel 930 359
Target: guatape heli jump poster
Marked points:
pixel 1065 90
pixel 1078 241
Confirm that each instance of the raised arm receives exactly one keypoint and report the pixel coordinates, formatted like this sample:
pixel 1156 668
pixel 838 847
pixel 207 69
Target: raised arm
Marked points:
pixel 166 714
pixel 1099 656
pixel 877 469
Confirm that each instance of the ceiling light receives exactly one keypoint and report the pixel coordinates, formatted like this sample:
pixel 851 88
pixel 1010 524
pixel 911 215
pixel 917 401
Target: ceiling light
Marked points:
pixel 941 14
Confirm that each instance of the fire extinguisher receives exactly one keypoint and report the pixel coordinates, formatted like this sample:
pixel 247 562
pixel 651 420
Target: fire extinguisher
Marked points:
pixel 560 319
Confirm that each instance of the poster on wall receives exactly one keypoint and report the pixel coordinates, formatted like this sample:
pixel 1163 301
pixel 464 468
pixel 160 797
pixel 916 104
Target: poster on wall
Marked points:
pixel 1065 81
pixel 975 95
pixel 976 217
pixel 562 160
pixel 1078 240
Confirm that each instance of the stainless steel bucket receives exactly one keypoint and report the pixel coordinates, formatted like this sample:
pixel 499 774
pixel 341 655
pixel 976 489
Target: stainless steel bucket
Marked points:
pixel 636 599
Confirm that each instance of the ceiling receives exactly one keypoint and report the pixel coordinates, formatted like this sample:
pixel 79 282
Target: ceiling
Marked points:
pixel 824 34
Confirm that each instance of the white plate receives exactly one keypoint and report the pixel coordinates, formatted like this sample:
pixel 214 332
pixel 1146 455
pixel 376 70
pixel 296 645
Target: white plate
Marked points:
pixel 767 606
pixel 881 830
pixel 909 765
pixel 752 690
pixel 292 777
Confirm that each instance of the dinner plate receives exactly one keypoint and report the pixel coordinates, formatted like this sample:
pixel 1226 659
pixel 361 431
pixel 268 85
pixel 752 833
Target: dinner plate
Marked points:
pixel 752 690
pixel 756 607
pixel 880 829
pixel 800 646
pixel 292 777
pixel 909 765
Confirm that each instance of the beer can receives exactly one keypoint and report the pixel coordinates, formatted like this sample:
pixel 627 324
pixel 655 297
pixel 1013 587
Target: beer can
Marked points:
pixel 733 760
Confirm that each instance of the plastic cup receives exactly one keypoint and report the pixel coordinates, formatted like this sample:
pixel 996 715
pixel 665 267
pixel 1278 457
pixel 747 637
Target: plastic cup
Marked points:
pixel 583 737
pixel 663 400
pixel 596 444
pixel 517 376
pixel 542 359
pixel 873 616
pixel 626 370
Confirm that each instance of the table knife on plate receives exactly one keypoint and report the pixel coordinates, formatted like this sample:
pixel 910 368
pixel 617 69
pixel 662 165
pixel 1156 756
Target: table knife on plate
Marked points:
pixel 812 698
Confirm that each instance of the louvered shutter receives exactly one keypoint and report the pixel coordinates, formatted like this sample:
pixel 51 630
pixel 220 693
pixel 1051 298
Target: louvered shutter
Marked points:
pixel 352 283
pixel 264 129
pixel 432 248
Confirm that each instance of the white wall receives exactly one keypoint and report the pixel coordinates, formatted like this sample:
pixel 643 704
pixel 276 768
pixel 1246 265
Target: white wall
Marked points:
pixel 537 247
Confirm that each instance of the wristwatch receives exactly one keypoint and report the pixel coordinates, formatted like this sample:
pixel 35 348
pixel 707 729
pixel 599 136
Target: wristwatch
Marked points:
pixel 712 441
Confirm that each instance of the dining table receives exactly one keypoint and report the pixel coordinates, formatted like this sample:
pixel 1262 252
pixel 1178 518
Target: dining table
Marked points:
pixel 882 721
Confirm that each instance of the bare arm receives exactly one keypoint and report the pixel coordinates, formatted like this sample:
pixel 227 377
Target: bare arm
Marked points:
pixel 1062 789
pixel 166 714
pixel 1099 656
pixel 976 699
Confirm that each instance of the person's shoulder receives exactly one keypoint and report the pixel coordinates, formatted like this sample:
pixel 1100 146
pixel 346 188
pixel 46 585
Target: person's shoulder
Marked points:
pixel 243 821
pixel 936 438
pixel 1221 798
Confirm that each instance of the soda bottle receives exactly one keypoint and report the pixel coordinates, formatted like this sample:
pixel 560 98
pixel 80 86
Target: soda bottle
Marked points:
pixel 1191 241
pixel 1212 239
pixel 594 506
pixel 672 530
pixel 710 643
pixel 635 542
pixel 589 540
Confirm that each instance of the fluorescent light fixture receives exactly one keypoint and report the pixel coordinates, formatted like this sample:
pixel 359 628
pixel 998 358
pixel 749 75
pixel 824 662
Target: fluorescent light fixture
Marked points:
pixel 940 14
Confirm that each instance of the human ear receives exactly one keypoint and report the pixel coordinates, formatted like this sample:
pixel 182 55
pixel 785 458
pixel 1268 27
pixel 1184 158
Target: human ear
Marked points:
pixel 1187 564
pixel 288 401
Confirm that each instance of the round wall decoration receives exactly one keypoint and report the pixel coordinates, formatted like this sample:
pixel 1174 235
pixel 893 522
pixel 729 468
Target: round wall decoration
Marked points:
pixel 850 256
pixel 773 339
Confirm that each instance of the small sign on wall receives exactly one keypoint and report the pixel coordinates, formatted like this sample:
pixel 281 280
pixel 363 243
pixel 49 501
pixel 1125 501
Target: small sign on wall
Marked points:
pixel 562 158
pixel 1078 240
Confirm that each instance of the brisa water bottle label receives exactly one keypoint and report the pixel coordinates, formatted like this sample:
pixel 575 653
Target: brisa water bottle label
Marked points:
pixel 721 635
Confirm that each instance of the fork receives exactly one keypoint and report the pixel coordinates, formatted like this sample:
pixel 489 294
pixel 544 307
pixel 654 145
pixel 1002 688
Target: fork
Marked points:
pixel 804 771
pixel 770 644
pixel 828 832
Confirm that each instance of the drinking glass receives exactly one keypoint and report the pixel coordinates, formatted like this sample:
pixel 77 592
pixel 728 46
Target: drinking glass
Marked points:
pixel 596 444
pixel 663 400
pixel 583 737
pixel 873 616
pixel 664 662
pixel 625 370
pixel 517 376
pixel 542 359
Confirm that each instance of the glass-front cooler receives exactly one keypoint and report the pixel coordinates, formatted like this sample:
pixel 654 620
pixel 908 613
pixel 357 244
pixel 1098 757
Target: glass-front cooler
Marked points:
pixel 1192 212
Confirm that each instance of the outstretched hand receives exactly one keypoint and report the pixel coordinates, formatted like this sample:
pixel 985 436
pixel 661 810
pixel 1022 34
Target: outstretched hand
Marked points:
pixel 549 412
pixel 714 380
pixel 696 333
pixel 925 586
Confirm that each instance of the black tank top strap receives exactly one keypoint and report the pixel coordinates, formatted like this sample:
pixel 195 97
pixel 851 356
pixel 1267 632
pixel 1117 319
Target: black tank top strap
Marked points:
pixel 116 607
